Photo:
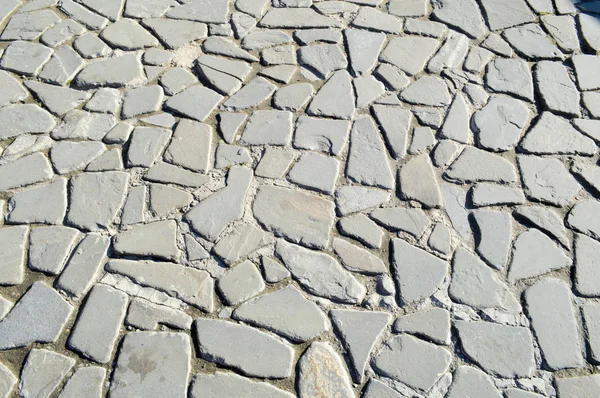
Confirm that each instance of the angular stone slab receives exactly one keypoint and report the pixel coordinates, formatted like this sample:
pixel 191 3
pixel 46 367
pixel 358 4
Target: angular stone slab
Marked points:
pixel 12 254
pixel 320 371
pixel 221 385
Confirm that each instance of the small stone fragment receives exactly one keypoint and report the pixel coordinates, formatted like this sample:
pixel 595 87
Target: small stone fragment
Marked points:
pixel 499 125
pixel 411 220
pixel 463 15
pixel 583 218
pixel 268 127
pixel 361 228
pixel 427 90
pixel 122 71
pixel 191 146
pixel 468 380
pixel 88 381
pixel 418 181
pixel 195 102
pixel 156 239
pixel 335 98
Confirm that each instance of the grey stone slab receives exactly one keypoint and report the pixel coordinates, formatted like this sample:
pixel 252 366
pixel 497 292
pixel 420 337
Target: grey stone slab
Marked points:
pixel 176 80
pixel 108 161
pixel 563 31
pixel 583 218
pixel 279 55
pixel 42 372
pixel 515 393
pixel 555 329
pixel 110 9
pixel 226 76
pixel 251 95
pixel 12 254
pixel 83 15
pixel 86 125
pixel 105 100
pixel 363 49
pixel 424 27
pixel 455 202
pixel 226 47
pixel 58 100
pixel 476 165
pixel 547 180
pixel 357 259
pixel 221 385
pixel 191 146
pixel 240 283
pixel 25 171
pixel 452 53
pixel 289 18
pixel 499 124
pixel 319 134
pixel 25 58
pixel 498 349
pixel 440 238
pixel 157 239
pixel 432 324
pixel 586 258
pixel 510 76
pixel 411 220
pixel 147 8
pixel 588 173
pixel 293 97
pixel 98 324
pixel 286 312
pixel 49 248
pixel 89 46
pixel 368 89
pixel 201 11
pixel 320 274
pixel 44 204
pixel 252 352
pixel 146 315
pixel 556 88
pixel 88 381
pixel 142 100
pixel 494 236
pixel 265 38
pixel 395 124
pixel 39 316
pixel 477 59
pixel 378 389
pixel 68 156
pixel 485 194
pixel 591 318
pixel 534 253
pixel 145 145
pixel 274 163
pixel 456 125
pixel 169 356
pixel 463 15
pixel 191 285
pixel 119 134
pixel 106 190
pixel 361 228
pixel 300 217
pixel 546 220
pixel 359 331
pixel 128 34
pixel 392 77
pixel 582 386
pixel 322 59
pixel 84 267
pixel 502 14
pixel 7 381
pixel 6 10
pixel 169 174
pixel 195 102
pixel 352 199
pixel 210 217
pixel 316 172
pixel 320 369
pixel 475 284
pixel 335 98
pixel 229 123
pixel 174 33
pixel 242 241
pixel 28 25
pixel 268 127
pixel 309 36
pixel 412 361
pixel 468 380
pixel 165 199
pixel 372 19
pixel 427 90
pixel 418 274
pixel 590 30
pixel 12 91
pixel 531 42
pixel 134 207
pixel 120 71
pixel 418 181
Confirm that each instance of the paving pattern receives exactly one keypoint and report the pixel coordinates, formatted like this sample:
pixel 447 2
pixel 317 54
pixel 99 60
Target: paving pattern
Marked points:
pixel 281 198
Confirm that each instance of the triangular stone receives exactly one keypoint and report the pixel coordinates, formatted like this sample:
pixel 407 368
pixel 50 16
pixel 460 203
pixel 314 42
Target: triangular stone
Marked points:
pixel 335 98
pixel 58 100
pixel 111 9
pixel 456 125
pixel 194 250
pixel 229 124
pixel 359 331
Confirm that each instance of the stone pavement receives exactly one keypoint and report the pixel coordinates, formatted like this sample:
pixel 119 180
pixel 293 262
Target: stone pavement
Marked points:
pixel 299 198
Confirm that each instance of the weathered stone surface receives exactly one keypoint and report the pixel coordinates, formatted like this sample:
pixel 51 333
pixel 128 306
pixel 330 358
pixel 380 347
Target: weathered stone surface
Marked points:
pixel 495 232
pixel 174 34
pixel 289 18
pixel 242 241
pixel 321 372
pixel 44 204
pixel 221 385
pixel 323 135
pixel 299 217
pixel 463 15
pixel 86 380
pixel 38 317
pixel 170 356
pixel 252 352
pixel 195 102
pixel 240 283
pixel 7 381
pixel 499 125
pixel 320 274
pixel 420 48
pixel 42 372
pixel 475 165
pixel 535 254
pixel 361 228
pixel 468 381
pixel 586 258
pixel 418 181
pixel 546 220
pixel 582 386
pixel 271 127
pixel 510 76
pixel 49 248
pixel 547 180
pixel 335 98
pixel 553 135
pixel 427 90
pixel 125 70
pixel 356 259
pixel 12 254
pixel 432 324
pixel 146 315
pixel 413 221
pixel 286 312
pixel 501 350
pixel 21 119
pixel 583 218
pixel 156 239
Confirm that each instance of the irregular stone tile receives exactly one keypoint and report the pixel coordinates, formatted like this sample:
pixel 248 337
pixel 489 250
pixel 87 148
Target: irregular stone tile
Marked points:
pixel 440 239
pixel 547 180
pixel 29 25
pixel 25 58
pixel 361 228
pixel 274 163
pixel 590 30
pixel 352 199
pixel 475 284
pixel 174 33
pixel 432 324
pixel 12 91
pixel 535 254
pixel 591 317
pixel 316 172
pixel 146 145
pixel 156 239
pixel 412 361
pixel 147 8
pixel 68 156
pixel 24 145
pixel 476 165
pixel 191 146
pixel 109 160
pixel 324 135
pixel 176 80
pixel 221 384
pixel 226 76
pixel 293 97
pixel 363 49
pixel 49 248
pixel 169 356
pixel 244 348
pixel 58 100
pixel 195 102
pixel 502 350
pixel 146 315
pixel 105 100
pixel 451 54
pixel 38 317
pixel 563 31
pixel 110 9
pixel 46 204
pixel 169 174
pixel 142 100
pixel 496 195
pixel 210 217
pixel 273 271
pixel 106 191
pixel 477 59
pixel 280 73
pixel 553 135
pixel 259 40
pixel 289 18
pixel 418 181
pixel 243 240
pixel 468 380
pixel 582 386
pixel 335 98
pixel 320 371
pixel 193 286
pixel 25 171
pixel 495 232
pixel 427 90
pixel 391 76
pixel 356 259
pixel 583 218
pixel 165 199
pixel 98 324
pixel 320 274
pixel 359 331
pixel 463 15
pixel 80 124
pixel 89 46
pixel 251 95
pixel 368 89
pixel 201 11
pixel 86 380
pixel 368 163
pixel 7 379
pixel 84 267
pixel 514 393
pixel 395 123
pixel 555 329
pixel 418 274
pixel 83 15
pixel 429 116
pixel 268 127
pixel 42 372
pixel 121 71
pixel 411 220
pixel 532 42
pixel 12 254
pixel 297 216
pixel 372 19
pixel 7 9
pixel 502 14
pixel 286 312
pixel 240 283
pixel 456 125
pixel 455 202
pixel 127 34
pixel 377 389
pixel 510 76
pixel 588 173
pixel 229 124
pixel 306 37
pixel 546 220
pixel 322 58
pixel 556 88
pixel 586 277
pixel 499 125
pixel 134 207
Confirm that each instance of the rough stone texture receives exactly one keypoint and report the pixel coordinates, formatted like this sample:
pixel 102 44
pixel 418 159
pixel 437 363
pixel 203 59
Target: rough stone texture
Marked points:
pixel 321 373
